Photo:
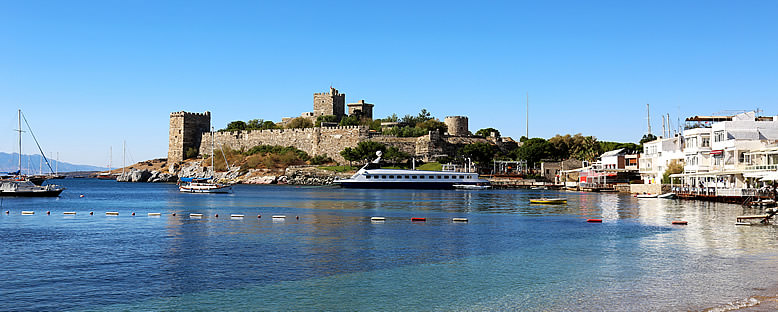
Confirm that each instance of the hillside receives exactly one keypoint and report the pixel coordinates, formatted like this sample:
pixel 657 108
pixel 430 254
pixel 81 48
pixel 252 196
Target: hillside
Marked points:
pixel 31 164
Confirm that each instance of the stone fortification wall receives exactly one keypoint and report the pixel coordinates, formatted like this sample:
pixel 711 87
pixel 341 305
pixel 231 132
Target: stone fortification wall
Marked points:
pixel 314 141
pixel 457 125
pixel 186 132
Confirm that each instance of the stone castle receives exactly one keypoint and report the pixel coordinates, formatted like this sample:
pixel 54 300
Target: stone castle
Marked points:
pixel 191 131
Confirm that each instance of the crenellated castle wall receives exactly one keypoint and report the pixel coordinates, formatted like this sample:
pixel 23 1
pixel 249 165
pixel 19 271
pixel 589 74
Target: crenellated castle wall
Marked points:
pixel 314 141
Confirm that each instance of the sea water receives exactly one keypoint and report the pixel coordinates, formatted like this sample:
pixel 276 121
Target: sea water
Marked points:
pixel 327 255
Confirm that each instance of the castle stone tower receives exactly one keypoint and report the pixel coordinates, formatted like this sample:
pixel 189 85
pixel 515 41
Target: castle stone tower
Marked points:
pixel 186 130
pixel 332 103
pixel 365 109
pixel 457 125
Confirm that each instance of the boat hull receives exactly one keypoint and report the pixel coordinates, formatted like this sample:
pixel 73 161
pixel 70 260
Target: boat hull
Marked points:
pixel 220 190
pixel 53 193
pixel 398 185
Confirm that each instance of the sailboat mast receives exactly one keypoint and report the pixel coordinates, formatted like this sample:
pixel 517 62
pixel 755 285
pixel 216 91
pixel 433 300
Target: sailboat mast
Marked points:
pixel 110 157
pixel 212 155
pixel 20 141
pixel 124 147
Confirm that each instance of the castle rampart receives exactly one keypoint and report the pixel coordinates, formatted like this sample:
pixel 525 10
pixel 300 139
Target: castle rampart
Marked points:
pixel 186 132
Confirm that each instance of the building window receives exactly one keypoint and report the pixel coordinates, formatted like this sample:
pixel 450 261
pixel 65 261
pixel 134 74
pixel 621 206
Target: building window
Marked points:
pixel 718 136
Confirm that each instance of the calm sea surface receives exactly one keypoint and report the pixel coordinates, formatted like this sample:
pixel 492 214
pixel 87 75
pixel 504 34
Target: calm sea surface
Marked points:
pixel 510 256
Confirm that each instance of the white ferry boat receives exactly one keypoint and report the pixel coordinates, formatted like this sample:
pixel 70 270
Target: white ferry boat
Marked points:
pixel 372 176
pixel 193 185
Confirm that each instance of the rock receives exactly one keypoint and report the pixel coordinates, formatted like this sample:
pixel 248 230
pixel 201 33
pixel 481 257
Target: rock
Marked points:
pixel 261 180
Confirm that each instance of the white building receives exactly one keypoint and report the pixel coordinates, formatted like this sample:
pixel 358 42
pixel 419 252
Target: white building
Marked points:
pixel 657 156
pixel 721 151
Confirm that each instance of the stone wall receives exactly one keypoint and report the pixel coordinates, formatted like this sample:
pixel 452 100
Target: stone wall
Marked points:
pixel 331 103
pixel 314 141
pixel 649 188
pixel 457 125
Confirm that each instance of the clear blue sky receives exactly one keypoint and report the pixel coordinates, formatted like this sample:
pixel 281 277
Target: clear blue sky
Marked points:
pixel 90 74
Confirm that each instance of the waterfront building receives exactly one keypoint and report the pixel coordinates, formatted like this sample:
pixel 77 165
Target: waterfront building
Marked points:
pixel 728 155
pixel 657 156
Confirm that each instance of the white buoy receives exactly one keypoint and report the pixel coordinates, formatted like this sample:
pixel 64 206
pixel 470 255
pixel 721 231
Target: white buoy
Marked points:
pixel 154 214
pixel 28 212
pixel 70 213
pixel 279 217
pixel 378 219
pixel 459 219
pixel 236 216
pixel 112 213
pixel 196 215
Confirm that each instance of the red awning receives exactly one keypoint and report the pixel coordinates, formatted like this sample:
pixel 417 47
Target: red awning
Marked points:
pixel 716 152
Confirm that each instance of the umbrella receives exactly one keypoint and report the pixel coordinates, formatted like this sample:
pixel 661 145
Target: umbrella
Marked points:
pixel 772 176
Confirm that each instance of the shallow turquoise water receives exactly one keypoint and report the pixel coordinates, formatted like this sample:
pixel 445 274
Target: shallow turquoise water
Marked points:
pixel 510 256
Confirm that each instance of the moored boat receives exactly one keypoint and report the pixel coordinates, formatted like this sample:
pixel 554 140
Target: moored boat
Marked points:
pixel 544 200
pixel 25 188
pixel 647 195
pixel 194 185
pixel 667 196
pixel 372 176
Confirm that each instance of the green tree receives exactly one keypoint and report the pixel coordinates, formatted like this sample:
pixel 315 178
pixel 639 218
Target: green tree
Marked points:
pixel 394 155
pixel 674 167
pixel 480 152
pixel 326 118
pixel 299 122
pixel 588 149
pixel 350 154
pixel 487 132
pixel 349 121
pixel 647 138
pixel 235 126
pixel 191 153
pixel 433 125
pixel 534 150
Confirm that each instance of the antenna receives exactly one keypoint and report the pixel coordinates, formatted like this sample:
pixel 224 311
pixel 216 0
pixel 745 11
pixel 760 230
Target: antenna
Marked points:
pixel 664 129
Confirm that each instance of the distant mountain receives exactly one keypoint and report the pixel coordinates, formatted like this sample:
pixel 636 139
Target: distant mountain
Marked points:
pixel 31 164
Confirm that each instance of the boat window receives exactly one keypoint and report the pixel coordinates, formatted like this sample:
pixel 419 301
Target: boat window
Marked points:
pixel 440 177
pixel 407 177
pixel 413 177
pixel 421 177
pixel 391 177
pixel 367 177
pixel 383 177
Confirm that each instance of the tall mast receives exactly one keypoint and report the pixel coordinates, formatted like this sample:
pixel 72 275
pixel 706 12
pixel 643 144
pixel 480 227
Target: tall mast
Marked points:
pixel 110 157
pixel 56 171
pixel 648 118
pixel 124 147
pixel 20 141
pixel 214 156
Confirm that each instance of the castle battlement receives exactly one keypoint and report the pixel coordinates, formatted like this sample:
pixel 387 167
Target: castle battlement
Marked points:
pixel 190 114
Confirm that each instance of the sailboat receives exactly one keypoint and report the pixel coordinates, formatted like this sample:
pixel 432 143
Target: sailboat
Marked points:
pixel 108 175
pixel 20 185
pixel 207 185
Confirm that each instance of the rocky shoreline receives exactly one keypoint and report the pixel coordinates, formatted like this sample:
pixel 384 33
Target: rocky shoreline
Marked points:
pixel 295 175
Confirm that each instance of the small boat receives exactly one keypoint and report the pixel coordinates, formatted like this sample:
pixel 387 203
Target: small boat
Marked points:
pixel 471 187
pixel 25 188
pixel 194 185
pixel 548 201
pixel 538 188
pixel 667 196
pixel 209 185
pixel 647 195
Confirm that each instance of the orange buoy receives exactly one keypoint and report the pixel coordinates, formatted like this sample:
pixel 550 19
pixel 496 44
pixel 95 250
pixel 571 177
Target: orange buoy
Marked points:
pixel 82 195
pixel 174 214
pixel 217 215
pixel 298 217
pixel 133 213
pixel 594 220
pixel 91 213
pixel 7 212
pixel 48 212
pixel 259 216
pixel 419 219
pixel 680 222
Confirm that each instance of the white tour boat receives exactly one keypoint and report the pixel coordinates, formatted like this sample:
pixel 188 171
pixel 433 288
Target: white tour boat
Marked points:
pixel 372 176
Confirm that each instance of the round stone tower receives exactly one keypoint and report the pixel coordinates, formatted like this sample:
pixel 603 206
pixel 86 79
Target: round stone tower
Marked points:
pixel 457 125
